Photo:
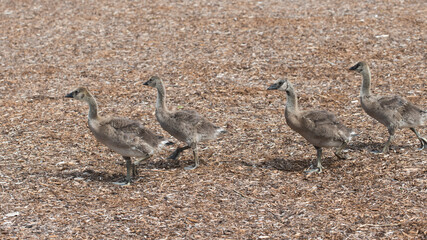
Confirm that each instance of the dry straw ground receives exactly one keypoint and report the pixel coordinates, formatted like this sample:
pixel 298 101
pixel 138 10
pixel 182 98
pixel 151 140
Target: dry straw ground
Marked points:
pixel 217 57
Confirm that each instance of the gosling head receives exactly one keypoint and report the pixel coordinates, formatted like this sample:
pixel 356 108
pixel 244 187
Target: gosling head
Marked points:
pixel 281 84
pixel 359 67
pixel 154 82
pixel 81 93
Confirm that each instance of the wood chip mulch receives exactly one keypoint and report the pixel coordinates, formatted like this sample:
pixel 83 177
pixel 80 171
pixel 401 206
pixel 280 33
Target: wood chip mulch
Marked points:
pixel 217 57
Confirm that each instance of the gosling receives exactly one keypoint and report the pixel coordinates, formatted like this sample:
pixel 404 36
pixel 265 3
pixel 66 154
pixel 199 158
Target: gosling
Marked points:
pixel 185 125
pixel 127 137
pixel 394 111
pixel 318 127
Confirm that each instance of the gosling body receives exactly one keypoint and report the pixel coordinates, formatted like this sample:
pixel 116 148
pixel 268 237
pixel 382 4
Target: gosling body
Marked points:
pixel 320 128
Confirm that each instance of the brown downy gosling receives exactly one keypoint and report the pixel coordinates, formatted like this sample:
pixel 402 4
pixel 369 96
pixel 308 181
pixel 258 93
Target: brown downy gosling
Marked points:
pixel 127 137
pixel 185 125
pixel 318 127
pixel 394 111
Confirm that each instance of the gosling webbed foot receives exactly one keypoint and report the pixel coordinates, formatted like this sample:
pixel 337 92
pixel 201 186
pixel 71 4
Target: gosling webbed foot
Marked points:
pixel 124 183
pixel 313 169
pixel 423 141
pixel 191 167
pixel 177 152
pixel 383 151
pixel 423 144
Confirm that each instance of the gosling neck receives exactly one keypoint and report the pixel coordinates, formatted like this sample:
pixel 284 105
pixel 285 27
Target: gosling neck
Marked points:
pixel 161 97
pixel 365 90
pixel 93 107
pixel 291 101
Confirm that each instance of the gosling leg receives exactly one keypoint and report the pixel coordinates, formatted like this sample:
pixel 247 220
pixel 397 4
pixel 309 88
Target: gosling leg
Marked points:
pixel 390 139
pixel 196 159
pixel 129 170
pixel 177 152
pixel 423 141
pixel 319 166
pixel 338 152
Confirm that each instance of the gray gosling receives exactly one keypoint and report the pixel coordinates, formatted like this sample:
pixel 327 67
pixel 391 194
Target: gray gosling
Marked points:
pixel 318 127
pixel 185 125
pixel 127 137
pixel 394 112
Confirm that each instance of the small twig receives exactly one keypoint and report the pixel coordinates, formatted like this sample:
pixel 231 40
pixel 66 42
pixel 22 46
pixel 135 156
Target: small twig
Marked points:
pixel 192 220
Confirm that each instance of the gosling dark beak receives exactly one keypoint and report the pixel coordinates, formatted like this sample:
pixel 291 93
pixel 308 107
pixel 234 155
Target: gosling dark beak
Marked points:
pixel 146 83
pixel 354 67
pixel 70 95
pixel 274 86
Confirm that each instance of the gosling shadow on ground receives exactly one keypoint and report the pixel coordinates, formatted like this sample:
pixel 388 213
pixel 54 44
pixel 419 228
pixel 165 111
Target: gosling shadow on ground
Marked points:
pixel 286 165
pixel 378 146
pixel 166 164
pixel 281 164
pixel 104 176
pixel 293 165
pixel 369 146
pixel 93 175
